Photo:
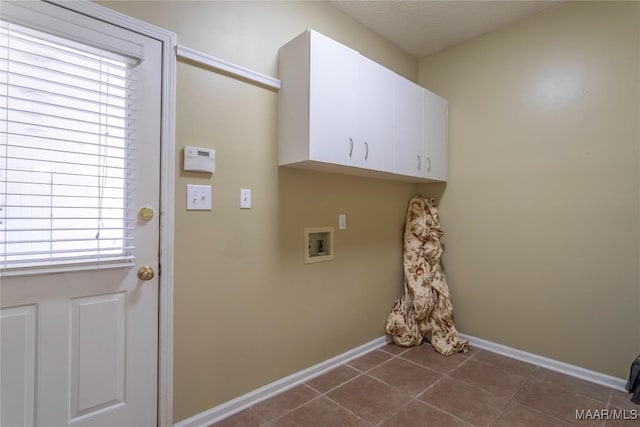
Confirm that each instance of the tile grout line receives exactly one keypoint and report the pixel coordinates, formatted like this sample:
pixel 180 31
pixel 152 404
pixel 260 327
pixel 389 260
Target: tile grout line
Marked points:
pixel 445 412
pixel 319 395
pixel 546 414
pixel 447 375
pixel 415 398
pixel 394 413
pixel 347 409
pixel 360 373
pixel 435 407
pixel 513 396
pixel 365 373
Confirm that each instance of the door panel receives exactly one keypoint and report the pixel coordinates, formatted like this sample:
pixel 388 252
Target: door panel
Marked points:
pixel 333 92
pixel 375 111
pixel 408 120
pixel 18 362
pixel 97 361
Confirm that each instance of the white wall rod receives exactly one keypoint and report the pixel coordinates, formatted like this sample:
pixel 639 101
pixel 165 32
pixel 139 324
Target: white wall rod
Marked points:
pixel 226 66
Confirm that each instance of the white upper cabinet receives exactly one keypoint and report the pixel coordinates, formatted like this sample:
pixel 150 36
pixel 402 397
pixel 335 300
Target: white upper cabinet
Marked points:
pixel 408 121
pixel 333 102
pixel 341 112
pixel 375 110
pixel 436 112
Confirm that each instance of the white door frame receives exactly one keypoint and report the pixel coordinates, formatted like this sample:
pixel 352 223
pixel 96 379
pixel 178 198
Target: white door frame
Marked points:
pixel 167 175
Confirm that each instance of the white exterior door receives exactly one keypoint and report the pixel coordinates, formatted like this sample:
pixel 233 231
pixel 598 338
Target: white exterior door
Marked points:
pixel 80 347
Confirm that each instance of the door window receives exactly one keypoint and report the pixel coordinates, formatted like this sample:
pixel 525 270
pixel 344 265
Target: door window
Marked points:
pixel 67 134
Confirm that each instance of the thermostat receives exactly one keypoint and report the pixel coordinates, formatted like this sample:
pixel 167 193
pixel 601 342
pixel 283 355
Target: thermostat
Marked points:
pixel 199 159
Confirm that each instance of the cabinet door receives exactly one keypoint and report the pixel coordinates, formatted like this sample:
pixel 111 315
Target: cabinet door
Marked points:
pixel 374 143
pixel 333 89
pixel 408 124
pixel 436 111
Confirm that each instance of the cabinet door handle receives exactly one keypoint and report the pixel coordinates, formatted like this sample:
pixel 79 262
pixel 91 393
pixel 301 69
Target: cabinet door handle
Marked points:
pixel 366 153
pixel 350 147
pixel 419 162
pixel 429 164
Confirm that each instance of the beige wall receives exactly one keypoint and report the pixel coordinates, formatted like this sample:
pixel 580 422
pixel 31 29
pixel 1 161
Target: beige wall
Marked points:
pixel 541 212
pixel 247 310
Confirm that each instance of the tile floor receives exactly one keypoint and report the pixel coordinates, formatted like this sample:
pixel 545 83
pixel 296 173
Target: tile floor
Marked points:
pixel 398 387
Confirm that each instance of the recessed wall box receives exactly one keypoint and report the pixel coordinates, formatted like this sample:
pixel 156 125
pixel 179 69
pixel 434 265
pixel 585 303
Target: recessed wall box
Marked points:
pixel 199 159
pixel 318 244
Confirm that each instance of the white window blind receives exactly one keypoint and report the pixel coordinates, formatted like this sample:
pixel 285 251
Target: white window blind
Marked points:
pixel 67 135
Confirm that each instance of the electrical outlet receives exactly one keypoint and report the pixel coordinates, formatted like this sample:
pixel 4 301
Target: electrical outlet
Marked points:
pixel 198 197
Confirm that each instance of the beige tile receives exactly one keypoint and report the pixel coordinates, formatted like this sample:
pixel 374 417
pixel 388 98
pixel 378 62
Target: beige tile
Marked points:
pixel 419 414
pixel 517 415
pixel 394 349
pixel 284 402
pixel 370 360
pixel 320 412
pixel 333 378
pixel 624 419
pixel 506 363
pixel 549 398
pixel 369 398
pixel 496 380
pixel 426 356
pixel 574 385
pixel 471 403
pixel 246 418
pixel 406 376
pixel 622 400
pixel 626 414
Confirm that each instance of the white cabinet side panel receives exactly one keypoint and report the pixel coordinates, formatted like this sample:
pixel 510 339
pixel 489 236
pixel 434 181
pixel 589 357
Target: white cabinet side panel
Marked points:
pixel 97 326
pixel 17 365
pixel 293 101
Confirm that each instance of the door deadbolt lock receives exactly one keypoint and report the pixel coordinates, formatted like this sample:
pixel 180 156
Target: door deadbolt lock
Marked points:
pixel 145 273
pixel 146 213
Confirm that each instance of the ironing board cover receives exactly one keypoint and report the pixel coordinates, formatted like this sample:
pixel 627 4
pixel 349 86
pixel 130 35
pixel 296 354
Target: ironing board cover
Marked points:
pixel 425 310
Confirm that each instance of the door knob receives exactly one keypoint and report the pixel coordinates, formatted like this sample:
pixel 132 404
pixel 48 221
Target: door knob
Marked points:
pixel 146 213
pixel 145 273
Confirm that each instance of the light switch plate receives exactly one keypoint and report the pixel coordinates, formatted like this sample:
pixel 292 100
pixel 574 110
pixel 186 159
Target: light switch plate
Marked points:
pixel 342 221
pixel 245 198
pixel 198 197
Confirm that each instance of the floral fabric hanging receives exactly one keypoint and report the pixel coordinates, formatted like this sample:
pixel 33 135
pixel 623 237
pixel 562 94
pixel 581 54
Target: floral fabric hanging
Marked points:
pixel 425 311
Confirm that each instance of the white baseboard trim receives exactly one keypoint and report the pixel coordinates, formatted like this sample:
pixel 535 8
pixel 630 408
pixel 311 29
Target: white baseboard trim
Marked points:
pixel 236 405
pixel 551 364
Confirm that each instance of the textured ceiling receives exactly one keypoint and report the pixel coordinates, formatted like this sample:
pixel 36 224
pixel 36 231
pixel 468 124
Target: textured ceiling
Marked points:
pixel 425 27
